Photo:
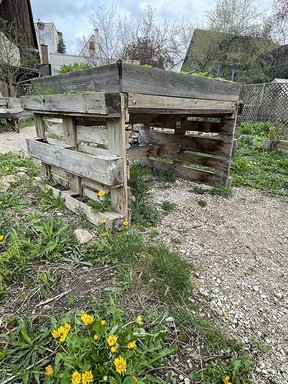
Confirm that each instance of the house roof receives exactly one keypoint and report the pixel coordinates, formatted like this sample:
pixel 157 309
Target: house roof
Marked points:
pixel 20 13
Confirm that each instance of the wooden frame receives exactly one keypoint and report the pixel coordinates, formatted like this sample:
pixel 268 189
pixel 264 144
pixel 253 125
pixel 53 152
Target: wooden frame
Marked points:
pixel 83 139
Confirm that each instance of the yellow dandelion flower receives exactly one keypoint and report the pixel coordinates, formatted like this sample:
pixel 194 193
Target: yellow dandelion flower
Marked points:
pixel 46 191
pixel 87 377
pixel 112 340
pixel 113 349
pixel 139 320
pixel 87 319
pixel 125 223
pixel 103 221
pixel 56 333
pixel 7 169
pixel 120 364
pixel 95 337
pixel 1 237
pixel 76 378
pixel 101 193
pixel 49 370
pixel 1 202
pixel 104 234
pixel 132 345
pixel 103 322
pixel 226 380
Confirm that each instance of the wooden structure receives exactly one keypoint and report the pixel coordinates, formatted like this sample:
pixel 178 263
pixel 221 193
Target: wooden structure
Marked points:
pixel 10 110
pixel 188 127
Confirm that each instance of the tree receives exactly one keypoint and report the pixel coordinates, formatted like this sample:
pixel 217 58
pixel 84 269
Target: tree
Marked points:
pixel 277 23
pixel 163 44
pixel 240 17
pixel 61 47
pixel 15 55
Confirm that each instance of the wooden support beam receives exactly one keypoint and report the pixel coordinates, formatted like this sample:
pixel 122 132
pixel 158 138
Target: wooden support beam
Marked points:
pixel 117 145
pixel 41 134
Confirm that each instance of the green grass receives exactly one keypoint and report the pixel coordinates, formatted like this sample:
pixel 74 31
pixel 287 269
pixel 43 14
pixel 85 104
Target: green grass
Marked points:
pixel 259 169
pixel 35 231
pixel 167 206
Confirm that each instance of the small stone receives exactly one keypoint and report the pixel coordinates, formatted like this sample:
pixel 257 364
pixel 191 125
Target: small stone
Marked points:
pixel 83 236
pixel 4 186
pixel 186 380
pixel 11 179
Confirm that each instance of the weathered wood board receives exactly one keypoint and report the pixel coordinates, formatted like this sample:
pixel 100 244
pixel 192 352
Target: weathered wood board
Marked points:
pixel 103 169
pixel 130 78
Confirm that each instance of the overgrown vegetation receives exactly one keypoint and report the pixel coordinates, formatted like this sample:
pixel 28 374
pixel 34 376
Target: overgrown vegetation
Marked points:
pixel 256 167
pixel 73 67
pixel 36 242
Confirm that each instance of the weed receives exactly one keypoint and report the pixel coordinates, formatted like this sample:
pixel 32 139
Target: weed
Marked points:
pixel 167 206
pixel 167 175
pixel 199 190
pixel 176 240
pixel 167 272
pixel 202 203
pixel 102 205
pixel 27 122
pixel 221 190
pixel 48 201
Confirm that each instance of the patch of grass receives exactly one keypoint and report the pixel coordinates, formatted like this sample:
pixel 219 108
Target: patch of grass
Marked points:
pixel 143 213
pixel 167 175
pixel 176 240
pixel 202 203
pixel 167 206
pixel 27 122
pixel 221 190
pixel 199 190
pixel 11 163
pixel 263 170
pixel 167 272
pixel 48 201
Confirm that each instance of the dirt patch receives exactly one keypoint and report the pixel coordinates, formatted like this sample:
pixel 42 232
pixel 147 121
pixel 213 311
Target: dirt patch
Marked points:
pixel 15 142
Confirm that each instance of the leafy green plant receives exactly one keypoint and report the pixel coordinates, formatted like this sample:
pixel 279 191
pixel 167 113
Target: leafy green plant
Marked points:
pixel 27 122
pixel 48 201
pixel 103 347
pixel 102 204
pixel 167 206
pixel 221 190
pixel 167 175
pixel 73 67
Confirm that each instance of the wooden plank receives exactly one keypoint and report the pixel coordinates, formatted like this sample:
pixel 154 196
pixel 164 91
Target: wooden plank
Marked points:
pixel 41 133
pixel 282 145
pixel 130 78
pixel 153 81
pixel 196 175
pixel 92 134
pixel 91 104
pixel 99 168
pixel 197 144
pixel 94 186
pixel 76 206
pixel 92 150
pixel 70 138
pixel 139 103
pixel 117 145
pixel 96 79
pixel 137 153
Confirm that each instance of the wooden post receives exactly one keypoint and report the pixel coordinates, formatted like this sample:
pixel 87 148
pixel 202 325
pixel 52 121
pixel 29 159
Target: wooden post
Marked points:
pixel 70 138
pixel 116 136
pixel 40 131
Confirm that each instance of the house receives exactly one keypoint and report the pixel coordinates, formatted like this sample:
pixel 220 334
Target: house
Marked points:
pixel 92 50
pixel 224 54
pixel 19 49
pixel 48 38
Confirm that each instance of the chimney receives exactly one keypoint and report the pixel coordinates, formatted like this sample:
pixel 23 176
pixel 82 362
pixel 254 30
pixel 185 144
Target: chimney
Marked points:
pixel 44 54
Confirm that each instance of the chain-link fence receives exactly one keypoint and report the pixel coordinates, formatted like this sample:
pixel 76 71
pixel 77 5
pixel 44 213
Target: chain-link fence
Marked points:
pixel 265 102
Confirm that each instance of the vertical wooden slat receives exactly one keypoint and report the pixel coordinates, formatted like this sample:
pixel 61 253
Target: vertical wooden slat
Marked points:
pixel 70 138
pixel 231 124
pixel 41 133
pixel 117 145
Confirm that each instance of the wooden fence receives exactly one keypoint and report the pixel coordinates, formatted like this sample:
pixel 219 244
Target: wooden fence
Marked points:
pixel 83 139
pixel 265 102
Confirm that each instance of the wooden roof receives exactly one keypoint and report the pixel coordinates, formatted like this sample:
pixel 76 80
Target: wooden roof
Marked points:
pixel 20 13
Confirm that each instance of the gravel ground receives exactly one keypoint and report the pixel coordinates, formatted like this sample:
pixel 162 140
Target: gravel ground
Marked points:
pixel 240 248
pixel 15 142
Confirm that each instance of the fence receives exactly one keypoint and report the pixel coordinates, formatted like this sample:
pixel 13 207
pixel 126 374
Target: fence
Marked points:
pixel 265 102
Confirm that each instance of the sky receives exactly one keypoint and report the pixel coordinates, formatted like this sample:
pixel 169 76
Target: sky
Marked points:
pixel 72 18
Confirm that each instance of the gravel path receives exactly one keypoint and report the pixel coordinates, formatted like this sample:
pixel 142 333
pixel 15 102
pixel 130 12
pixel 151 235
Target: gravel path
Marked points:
pixel 240 247
pixel 15 142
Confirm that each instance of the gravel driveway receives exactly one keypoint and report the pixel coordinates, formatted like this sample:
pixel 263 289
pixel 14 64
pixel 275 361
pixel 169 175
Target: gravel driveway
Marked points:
pixel 15 142
pixel 240 247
